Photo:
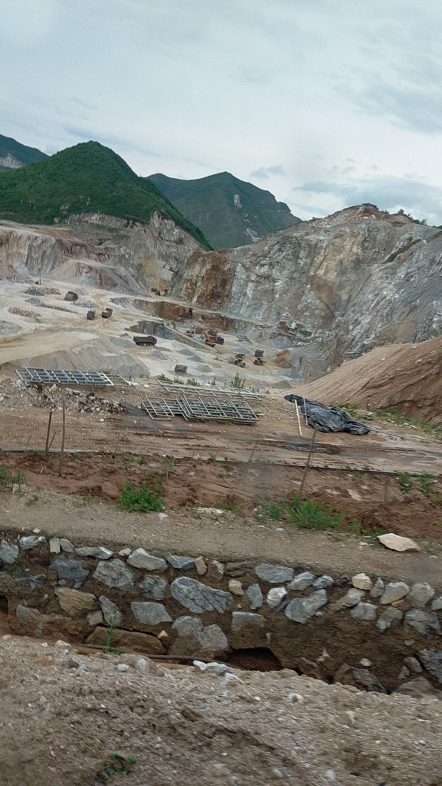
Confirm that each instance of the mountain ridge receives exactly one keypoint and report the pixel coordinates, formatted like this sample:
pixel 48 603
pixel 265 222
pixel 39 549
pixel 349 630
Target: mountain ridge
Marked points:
pixel 229 211
pixel 14 155
pixel 86 178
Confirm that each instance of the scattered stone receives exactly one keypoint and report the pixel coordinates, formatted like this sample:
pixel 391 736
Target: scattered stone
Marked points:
pixel 254 594
pixel 295 698
pixel 275 596
pixel 432 661
pixel 198 597
pixel 54 545
pixel 301 609
pixel 395 590
pixel 235 587
pixel 150 613
pixel 368 680
pixel 8 552
pixel 114 574
pixel 420 594
pixel 422 621
pixel 162 516
pixel 141 559
pixel 362 581
pixel 323 582
pixel 28 542
pixel 215 571
pixel 365 663
pixel 378 589
pixel 111 612
pixel 302 581
pixel 124 552
pixel 389 616
pixel 217 668
pixel 197 640
pixel 274 574
pixel 413 664
pixel 122 667
pixel 236 569
pixel 30 582
pixel 244 621
pixel 153 587
pixel 363 611
pixel 351 598
pixel 436 605
pixel 67 546
pixel 98 552
pixel 74 602
pixel 404 673
pixel 397 542
pixel 181 563
pixel 142 665
pixel 200 565
pixel 128 639
pixel 228 677
pixel 69 569
pixel 417 688
pixel 94 618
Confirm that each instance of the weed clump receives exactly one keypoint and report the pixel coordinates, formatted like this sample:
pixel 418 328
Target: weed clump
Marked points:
pixel 141 500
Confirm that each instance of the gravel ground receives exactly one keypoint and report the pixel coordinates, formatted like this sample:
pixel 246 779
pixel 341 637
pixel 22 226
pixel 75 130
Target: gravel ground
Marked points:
pixel 62 715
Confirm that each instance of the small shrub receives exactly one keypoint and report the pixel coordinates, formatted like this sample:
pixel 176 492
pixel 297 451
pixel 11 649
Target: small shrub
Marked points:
pixel 237 383
pixel 405 482
pixel 141 500
pixel 424 482
pixel 193 383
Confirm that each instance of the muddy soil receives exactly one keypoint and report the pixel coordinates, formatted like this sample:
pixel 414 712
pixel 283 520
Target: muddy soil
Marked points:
pixel 368 503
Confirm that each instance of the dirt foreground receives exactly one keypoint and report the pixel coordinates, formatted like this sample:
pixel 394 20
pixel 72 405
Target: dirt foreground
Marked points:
pixel 64 714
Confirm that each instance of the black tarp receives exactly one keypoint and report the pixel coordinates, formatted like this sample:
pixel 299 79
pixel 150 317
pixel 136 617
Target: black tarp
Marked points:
pixel 327 419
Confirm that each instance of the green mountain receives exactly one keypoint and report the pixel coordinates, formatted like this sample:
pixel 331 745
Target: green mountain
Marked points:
pixel 229 211
pixel 87 178
pixel 14 155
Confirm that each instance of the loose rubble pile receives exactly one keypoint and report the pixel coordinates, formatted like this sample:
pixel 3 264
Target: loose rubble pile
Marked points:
pixel 56 588
pixel 77 401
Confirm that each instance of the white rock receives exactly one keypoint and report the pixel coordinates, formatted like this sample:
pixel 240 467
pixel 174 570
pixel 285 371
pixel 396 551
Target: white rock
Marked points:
pixel 377 589
pixel 398 543
pixel 142 665
pixel 295 697
pixel 362 581
pixel 54 545
pixel 124 552
pixel 395 590
pixel 201 567
pixel 275 596
pixel 122 667
pixel 235 587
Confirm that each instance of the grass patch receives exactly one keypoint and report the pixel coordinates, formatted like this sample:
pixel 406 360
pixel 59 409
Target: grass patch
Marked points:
pixel 8 479
pixel 309 514
pixel 141 500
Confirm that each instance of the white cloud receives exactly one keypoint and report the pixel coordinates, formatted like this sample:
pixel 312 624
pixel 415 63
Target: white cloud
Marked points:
pixel 336 92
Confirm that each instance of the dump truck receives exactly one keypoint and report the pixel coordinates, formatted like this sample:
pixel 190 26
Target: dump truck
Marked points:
pixel 90 314
pixel 259 357
pixel 145 341
pixel 107 313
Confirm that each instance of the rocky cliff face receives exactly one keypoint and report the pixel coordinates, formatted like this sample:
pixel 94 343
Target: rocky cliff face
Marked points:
pixel 334 287
pixel 98 250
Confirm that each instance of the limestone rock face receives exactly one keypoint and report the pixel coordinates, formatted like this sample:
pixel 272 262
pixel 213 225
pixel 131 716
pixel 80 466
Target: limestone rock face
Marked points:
pixel 330 285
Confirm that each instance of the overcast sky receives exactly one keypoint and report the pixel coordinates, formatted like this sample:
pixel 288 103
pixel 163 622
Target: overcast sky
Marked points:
pixel 326 103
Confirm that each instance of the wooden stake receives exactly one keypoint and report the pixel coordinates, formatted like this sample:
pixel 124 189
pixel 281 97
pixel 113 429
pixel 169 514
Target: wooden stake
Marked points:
pixel 305 413
pixel 53 437
pixel 299 419
pixel 48 432
pixel 301 487
pixel 63 434
pixel 253 451
pixel 27 444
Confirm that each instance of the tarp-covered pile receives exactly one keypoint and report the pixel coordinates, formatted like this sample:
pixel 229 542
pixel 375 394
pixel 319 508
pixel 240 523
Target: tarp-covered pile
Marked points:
pixel 327 419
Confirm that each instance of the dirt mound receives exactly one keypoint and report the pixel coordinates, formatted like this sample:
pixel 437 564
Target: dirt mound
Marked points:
pixel 406 377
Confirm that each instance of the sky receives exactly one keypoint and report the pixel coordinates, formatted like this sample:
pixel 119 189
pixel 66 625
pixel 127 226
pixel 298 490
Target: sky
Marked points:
pixel 325 103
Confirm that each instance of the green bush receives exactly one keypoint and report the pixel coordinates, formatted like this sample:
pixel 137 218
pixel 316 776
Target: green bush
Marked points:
pixel 305 513
pixel 141 500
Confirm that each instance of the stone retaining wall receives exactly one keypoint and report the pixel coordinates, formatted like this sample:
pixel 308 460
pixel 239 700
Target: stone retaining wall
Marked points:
pixel 359 630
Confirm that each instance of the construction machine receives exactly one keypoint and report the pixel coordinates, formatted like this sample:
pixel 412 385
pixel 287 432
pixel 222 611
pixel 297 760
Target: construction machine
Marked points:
pixel 259 357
